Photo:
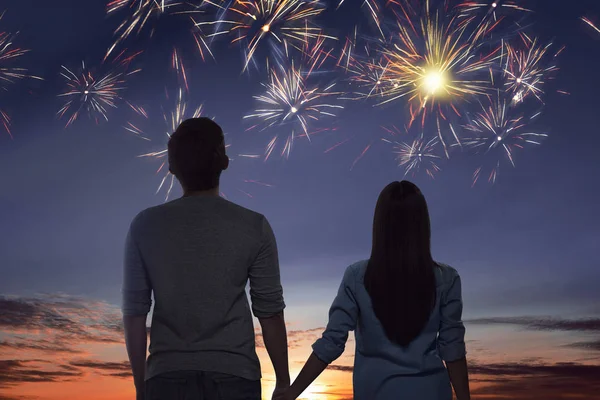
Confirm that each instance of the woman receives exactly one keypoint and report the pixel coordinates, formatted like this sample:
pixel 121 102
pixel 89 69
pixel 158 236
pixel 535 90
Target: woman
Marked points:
pixel 405 308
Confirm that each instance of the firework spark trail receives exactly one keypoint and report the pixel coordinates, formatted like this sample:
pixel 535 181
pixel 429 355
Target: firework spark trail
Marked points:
pixel 490 8
pixel 288 100
pixel 420 154
pixel 9 73
pixel 590 23
pixel 94 92
pixel 437 61
pixel 284 23
pixel 527 68
pixel 179 67
pixel 346 53
pixel 315 53
pixel 497 131
pixel 374 11
pixel 141 12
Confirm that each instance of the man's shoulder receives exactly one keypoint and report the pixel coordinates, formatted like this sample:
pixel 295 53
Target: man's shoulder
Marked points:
pixel 224 208
pixel 241 216
pixel 148 212
pixel 236 208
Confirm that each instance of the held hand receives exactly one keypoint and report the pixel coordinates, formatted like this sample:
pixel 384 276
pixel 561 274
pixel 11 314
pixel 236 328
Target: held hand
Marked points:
pixel 281 393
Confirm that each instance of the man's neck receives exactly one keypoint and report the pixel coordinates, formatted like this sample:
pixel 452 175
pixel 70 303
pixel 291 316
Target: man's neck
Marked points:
pixel 206 193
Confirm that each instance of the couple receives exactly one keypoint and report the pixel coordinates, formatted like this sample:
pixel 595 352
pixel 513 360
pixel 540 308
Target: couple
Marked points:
pixel 197 253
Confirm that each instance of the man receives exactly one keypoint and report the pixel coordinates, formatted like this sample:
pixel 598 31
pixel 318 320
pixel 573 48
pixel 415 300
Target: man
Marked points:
pixel 196 254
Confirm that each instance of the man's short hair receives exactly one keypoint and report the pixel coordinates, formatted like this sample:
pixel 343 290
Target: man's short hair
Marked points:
pixel 197 155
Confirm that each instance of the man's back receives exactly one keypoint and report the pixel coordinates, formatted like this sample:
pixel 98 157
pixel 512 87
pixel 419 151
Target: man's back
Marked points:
pixel 196 254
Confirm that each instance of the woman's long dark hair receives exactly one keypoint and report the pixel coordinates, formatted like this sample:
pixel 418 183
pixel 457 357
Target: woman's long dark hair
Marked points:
pixel 400 276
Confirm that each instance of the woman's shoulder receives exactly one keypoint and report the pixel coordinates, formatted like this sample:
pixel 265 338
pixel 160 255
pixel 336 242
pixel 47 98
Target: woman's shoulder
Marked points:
pixel 356 270
pixel 445 273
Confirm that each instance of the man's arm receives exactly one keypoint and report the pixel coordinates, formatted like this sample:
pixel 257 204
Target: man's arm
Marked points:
pixel 136 343
pixel 136 304
pixel 266 295
pixel 275 338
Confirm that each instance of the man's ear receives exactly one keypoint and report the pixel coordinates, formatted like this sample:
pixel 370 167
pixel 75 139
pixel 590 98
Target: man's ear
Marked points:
pixel 225 162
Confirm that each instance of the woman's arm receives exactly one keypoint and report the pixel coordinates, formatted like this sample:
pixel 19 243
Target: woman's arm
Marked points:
pixel 459 376
pixel 311 371
pixel 343 316
pixel 451 339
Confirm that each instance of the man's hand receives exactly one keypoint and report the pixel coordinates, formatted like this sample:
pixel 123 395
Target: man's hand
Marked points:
pixel 280 392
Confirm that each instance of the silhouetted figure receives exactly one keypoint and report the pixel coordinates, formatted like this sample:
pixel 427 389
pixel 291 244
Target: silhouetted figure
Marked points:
pixel 196 255
pixel 405 310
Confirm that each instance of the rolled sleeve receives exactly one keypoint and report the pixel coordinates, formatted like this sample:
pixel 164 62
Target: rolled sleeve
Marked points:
pixel 343 315
pixel 136 291
pixel 266 293
pixel 451 339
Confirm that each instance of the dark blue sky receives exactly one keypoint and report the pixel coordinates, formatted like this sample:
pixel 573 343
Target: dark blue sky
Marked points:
pixel 67 195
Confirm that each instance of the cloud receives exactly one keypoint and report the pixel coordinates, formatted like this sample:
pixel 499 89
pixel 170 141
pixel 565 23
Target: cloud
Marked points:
pixel 591 345
pixel 344 368
pixel 301 338
pixel 102 365
pixel 51 325
pixel 57 323
pixel 40 345
pixel 587 325
pixel 15 372
pixel 120 369
pixel 296 338
pixel 543 324
pixel 537 381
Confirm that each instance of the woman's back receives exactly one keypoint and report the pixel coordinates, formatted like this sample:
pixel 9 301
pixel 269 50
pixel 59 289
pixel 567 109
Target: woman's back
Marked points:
pixel 385 370
pixel 405 308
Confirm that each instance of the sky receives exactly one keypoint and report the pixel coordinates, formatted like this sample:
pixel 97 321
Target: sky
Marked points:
pixel 525 246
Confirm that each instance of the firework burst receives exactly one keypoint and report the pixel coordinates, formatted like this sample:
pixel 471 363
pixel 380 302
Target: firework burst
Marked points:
pixel 498 134
pixel 421 154
pixel 436 60
pixel 289 101
pixel 9 72
pixel 172 119
pixel 281 23
pixel 528 68
pixel 141 11
pixel 95 92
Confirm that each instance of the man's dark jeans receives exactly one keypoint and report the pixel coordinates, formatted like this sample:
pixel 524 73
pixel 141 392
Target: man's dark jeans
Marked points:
pixel 198 385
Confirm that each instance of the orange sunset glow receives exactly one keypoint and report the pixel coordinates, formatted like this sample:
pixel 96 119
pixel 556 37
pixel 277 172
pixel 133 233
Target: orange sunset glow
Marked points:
pixel 58 347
